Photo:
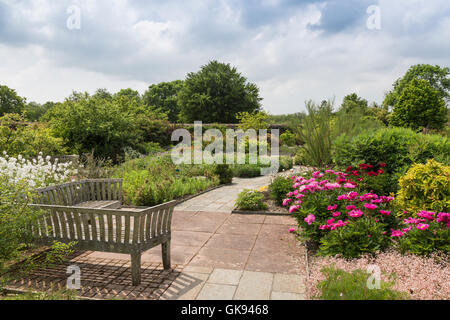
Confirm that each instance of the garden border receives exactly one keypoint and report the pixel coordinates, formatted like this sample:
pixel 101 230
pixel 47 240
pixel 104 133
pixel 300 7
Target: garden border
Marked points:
pixel 267 213
pixel 191 196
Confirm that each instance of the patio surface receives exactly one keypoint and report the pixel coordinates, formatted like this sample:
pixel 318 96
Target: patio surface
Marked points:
pixel 215 255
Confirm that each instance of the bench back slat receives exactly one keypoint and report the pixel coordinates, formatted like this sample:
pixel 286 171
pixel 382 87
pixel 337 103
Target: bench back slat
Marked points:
pixel 106 229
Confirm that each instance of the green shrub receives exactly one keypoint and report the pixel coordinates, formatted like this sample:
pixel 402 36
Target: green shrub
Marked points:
pixel 425 187
pixel 419 106
pixel 299 158
pixel 425 242
pixel 279 188
pixel 246 170
pixel 17 137
pixel 285 163
pixel 316 132
pixel 150 181
pixel 287 138
pixel 342 285
pixel 359 237
pixel 250 200
pixel 15 218
pixel 224 172
pixel 397 147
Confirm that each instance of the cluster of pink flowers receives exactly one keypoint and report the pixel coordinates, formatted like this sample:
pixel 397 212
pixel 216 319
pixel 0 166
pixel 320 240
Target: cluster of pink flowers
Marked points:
pixel 333 225
pixel 420 223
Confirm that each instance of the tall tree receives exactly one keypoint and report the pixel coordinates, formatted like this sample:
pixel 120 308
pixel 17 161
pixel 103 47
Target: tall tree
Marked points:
pixel 437 77
pixel 164 96
pixel 419 106
pixel 10 102
pixel 217 93
pixel 353 102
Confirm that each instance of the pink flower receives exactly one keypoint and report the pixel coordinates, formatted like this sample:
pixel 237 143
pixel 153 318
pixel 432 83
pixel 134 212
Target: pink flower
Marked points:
pixel 286 202
pixel 370 206
pixel 423 226
pixel 443 217
pixel 426 215
pixel 407 229
pixel 333 207
pixel 310 219
pixel 385 213
pixel 330 221
pixel 355 213
pixel 349 185
pixel 291 230
pixel 292 209
pixel 336 214
pixel 396 233
pixel 351 207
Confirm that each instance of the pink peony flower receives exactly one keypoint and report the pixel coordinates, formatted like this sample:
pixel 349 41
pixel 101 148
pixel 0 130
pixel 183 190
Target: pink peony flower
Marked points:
pixel 333 207
pixel 292 209
pixel 385 213
pixel 426 215
pixel 355 213
pixel 336 214
pixel 370 206
pixel 291 230
pixel 396 233
pixel 349 185
pixel 423 226
pixel 286 202
pixel 310 219
pixel 351 207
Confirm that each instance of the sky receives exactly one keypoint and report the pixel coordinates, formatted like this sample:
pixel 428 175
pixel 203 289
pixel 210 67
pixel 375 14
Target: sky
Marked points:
pixel 294 50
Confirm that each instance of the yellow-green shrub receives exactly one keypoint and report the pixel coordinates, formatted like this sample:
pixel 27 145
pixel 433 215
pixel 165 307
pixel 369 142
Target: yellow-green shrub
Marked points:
pixel 425 187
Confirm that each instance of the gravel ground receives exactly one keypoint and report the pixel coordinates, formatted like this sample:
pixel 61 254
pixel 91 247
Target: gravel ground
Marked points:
pixel 422 278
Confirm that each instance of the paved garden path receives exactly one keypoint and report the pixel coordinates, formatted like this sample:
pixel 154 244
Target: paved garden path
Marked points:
pixel 215 255
pixel 231 256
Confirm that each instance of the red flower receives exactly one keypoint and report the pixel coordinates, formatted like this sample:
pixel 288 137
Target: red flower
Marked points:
pixel 348 168
pixel 380 171
pixel 382 165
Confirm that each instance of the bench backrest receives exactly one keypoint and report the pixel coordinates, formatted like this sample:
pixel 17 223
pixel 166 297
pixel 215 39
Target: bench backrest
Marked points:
pixel 72 193
pixel 104 229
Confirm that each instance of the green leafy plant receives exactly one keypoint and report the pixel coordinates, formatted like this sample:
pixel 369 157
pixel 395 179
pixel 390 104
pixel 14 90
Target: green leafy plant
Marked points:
pixel 342 285
pixel 425 187
pixel 419 106
pixel 250 200
pixel 287 138
pixel 225 173
pixel 16 218
pixel 361 236
pixel 279 188
pixel 399 148
pixel 424 242
pixel 316 133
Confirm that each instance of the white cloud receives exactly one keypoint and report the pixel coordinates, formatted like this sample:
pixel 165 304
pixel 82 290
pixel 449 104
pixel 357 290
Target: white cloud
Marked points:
pixel 135 43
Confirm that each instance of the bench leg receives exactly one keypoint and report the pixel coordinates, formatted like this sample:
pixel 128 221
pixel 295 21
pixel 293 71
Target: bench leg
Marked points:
pixel 166 254
pixel 136 268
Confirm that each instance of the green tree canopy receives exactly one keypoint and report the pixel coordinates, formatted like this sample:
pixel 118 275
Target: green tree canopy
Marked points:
pixel 164 96
pixel 419 106
pixel 105 125
pixel 353 102
pixel 436 76
pixel 216 94
pixel 10 102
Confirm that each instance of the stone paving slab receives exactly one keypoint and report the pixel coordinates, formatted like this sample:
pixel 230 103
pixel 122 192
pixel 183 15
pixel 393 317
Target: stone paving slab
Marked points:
pixel 215 255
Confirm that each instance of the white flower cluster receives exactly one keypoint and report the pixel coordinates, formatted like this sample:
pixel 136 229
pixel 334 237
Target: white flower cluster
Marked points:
pixel 38 172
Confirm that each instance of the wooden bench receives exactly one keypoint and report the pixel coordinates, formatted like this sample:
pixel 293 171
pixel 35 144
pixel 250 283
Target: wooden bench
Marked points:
pixel 68 217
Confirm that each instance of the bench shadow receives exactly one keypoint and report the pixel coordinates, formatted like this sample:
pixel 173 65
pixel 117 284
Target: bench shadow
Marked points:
pixel 105 279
